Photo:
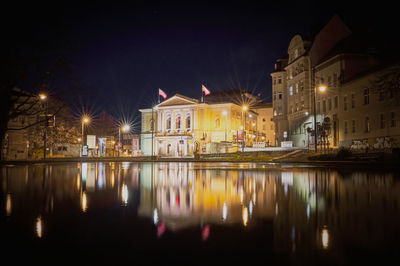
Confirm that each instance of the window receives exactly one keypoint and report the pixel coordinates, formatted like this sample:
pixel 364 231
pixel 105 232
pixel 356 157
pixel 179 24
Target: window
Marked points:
pixel 366 96
pixel 329 81
pixel 392 119
pixel 353 126
pixel 324 106
pixel 335 80
pixel 279 80
pixel 345 127
pixel 318 107
pixel 381 95
pixel 188 121
pixel 275 112
pixel 353 100
pixel 291 90
pixel 297 87
pixel 274 80
pixel 330 104
pixel 274 96
pixel 382 116
pixel 345 103
pixel 217 123
pixel 336 101
pixel 168 123
pixel 280 95
pixel 272 127
pixel 178 122
pixel 264 127
pixel 367 124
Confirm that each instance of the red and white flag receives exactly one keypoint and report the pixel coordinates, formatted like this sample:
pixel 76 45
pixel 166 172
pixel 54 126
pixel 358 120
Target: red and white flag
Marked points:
pixel 160 92
pixel 205 90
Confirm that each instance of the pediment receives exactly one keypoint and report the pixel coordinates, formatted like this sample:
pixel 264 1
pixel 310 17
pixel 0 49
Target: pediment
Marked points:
pixel 178 100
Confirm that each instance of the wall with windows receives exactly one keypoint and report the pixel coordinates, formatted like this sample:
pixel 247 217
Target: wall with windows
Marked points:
pixel 372 112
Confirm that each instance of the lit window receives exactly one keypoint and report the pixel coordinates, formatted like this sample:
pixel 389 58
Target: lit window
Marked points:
pixel 291 90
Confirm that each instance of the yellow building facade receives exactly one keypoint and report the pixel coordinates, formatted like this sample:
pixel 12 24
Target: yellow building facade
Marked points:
pixel 183 125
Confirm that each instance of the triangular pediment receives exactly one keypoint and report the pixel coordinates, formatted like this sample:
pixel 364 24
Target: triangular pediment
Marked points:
pixel 177 99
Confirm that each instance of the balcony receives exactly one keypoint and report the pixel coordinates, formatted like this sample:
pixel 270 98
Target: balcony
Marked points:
pixel 185 132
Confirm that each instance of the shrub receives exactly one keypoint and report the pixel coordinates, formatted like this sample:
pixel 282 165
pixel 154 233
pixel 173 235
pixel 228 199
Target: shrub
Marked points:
pixel 343 153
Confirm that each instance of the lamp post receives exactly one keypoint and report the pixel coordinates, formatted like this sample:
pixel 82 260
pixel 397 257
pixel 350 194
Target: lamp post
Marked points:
pixel 43 98
pixel 85 120
pixel 321 88
pixel 225 113
pixel 244 109
pixel 124 128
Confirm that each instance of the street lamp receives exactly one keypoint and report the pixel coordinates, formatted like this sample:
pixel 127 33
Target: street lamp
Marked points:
pixel 43 98
pixel 321 88
pixel 225 113
pixel 124 128
pixel 85 120
pixel 244 109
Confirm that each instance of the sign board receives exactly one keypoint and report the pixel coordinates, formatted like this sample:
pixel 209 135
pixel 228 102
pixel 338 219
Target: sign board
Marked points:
pixel 241 135
pixel 258 144
pixel 91 141
pixel 84 150
pixel 135 144
pixel 286 144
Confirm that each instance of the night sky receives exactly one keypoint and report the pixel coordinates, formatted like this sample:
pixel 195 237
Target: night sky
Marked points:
pixel 113 57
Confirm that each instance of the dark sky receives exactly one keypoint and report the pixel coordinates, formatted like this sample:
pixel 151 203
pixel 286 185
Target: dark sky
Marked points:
pixel 116 56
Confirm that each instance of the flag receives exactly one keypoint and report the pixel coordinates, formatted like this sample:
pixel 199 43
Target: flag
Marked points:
pixel 160 92
pixel 205 90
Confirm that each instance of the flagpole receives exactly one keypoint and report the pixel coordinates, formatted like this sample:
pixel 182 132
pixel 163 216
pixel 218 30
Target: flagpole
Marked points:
pixel 158 95
pixel 202 100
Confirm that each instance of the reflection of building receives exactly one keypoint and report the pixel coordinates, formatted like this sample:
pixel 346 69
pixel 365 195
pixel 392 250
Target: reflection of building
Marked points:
pixel 359 102
pixel 183 196
pixel 182 124
pixel 311 210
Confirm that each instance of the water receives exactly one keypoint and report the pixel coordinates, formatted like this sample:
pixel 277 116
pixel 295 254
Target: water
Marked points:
pixel 197 214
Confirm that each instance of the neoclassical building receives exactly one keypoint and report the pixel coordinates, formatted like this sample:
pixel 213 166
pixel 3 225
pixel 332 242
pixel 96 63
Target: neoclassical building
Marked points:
pixel 183 124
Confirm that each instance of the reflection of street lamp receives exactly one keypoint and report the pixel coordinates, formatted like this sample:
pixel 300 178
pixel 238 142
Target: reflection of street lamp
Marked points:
pixel 124 128
pixel 321 88
pixel 225 113
pixel 43 98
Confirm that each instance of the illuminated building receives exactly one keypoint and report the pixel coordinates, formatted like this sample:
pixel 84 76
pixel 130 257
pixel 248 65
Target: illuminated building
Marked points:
pixel 183 124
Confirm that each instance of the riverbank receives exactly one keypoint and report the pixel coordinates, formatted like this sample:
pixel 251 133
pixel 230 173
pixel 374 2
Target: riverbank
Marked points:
pixel 300 158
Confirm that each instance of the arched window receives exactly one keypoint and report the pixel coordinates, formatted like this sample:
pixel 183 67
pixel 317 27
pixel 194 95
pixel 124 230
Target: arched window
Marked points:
pixel 188 121
pixel 178 122
pixel 168 122
pixel 217 123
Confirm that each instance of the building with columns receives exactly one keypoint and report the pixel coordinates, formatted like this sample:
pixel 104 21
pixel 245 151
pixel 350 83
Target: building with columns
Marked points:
pixel 183 125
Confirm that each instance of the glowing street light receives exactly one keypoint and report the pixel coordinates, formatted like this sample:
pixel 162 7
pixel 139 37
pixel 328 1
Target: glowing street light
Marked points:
pixel 85 120
pixel 124 128
pixel 42 96
pixel 321 88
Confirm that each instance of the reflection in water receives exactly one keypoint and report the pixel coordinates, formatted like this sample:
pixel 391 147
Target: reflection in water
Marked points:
pixel 39 227
pixel 8 205
pixel 245 216
pixel 125 194
pixel 84 201
pixel 359 208
pixel 325 238
pixel 224 211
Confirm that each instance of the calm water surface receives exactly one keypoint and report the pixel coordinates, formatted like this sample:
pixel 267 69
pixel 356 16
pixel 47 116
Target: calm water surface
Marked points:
pixel 198 214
